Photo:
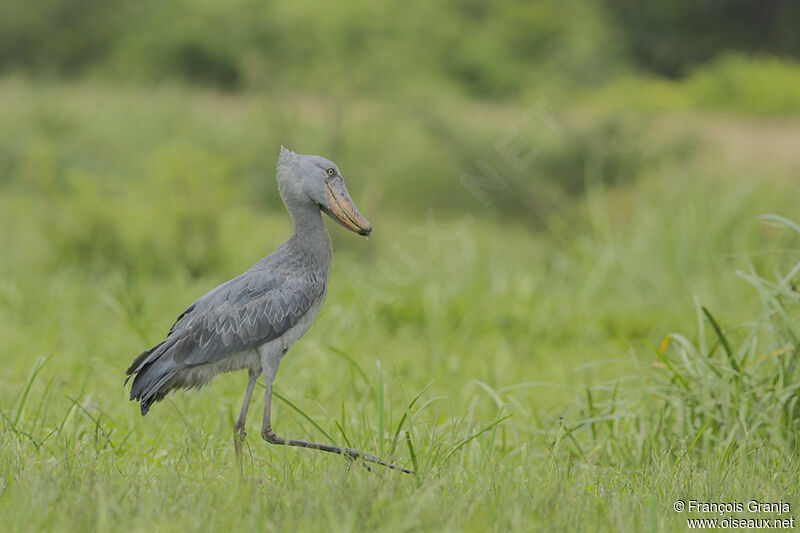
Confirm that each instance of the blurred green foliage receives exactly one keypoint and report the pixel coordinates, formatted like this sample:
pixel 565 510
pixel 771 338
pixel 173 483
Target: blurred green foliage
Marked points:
pixel 488 49
pixel 764 86
pixel 98 168
pixel 510 50
pixel 673 36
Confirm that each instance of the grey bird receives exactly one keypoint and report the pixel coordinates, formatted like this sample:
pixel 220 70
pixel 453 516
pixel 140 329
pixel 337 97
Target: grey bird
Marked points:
pixel 251 321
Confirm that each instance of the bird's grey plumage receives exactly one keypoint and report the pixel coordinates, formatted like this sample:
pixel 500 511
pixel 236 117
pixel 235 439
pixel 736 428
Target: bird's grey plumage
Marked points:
pixel 257 306
pixel 225 325
pixel 254 319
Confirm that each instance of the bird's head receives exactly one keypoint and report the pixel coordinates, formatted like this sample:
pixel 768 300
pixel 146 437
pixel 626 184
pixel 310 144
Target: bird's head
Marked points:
pixel 304 179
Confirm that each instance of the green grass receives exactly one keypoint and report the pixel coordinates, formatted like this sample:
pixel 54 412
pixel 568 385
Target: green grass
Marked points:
pixel 511 354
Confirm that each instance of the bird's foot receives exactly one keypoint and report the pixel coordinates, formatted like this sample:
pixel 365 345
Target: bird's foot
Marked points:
pixel 268 435
pixel 351 454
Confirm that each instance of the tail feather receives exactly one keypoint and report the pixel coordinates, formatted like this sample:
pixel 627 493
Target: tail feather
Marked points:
pixel 151 372
pixel 155 392
pixel 142 359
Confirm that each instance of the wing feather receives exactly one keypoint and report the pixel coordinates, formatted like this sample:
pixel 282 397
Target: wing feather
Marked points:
pixel 253 310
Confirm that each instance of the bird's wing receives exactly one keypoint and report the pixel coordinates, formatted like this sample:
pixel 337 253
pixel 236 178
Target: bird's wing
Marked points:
pixel 256 307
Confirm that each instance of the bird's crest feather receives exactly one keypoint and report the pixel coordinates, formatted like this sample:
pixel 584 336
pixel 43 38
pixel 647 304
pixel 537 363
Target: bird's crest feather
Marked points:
pixel 286 156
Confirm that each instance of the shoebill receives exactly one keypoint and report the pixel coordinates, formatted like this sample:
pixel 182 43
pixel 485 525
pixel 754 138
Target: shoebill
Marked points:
pixel 251 321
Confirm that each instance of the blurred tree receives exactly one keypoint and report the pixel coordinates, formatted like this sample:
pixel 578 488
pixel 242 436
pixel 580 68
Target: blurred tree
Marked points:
pixel 496 49
pixel 493 49
pixel 58 37
pixel 671 36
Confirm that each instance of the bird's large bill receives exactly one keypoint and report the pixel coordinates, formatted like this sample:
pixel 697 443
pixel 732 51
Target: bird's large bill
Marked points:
pixel 344 211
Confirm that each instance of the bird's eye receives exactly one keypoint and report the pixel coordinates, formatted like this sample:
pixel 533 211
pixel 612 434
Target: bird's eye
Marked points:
pixel 331 172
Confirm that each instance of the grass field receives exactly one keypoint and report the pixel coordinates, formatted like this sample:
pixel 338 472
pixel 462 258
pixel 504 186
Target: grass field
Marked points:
pixel 609 328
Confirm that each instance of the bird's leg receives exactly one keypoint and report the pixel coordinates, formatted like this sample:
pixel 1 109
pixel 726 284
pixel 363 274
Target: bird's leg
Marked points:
pixel 239 432
pixel 269 435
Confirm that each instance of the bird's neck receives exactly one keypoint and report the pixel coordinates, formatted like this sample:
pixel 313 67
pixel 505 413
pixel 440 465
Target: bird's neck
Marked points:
pixel 310 232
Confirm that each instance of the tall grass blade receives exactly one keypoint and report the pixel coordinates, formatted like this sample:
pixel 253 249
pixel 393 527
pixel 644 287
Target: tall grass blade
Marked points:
pixel 722 339
pixel 779 221
pixel 412 454
pixel 463 442
pixel 303 414
pixel 407 416
pixel 573 440
pixel 381 420
pixel 668 364
pixel 344 355
pixel 23 398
